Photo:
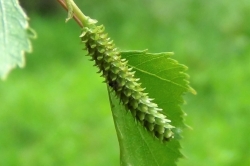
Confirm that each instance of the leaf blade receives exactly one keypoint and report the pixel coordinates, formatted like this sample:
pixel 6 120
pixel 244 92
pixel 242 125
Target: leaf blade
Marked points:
pixel 165 81
pixel 14 37
pixel 136 142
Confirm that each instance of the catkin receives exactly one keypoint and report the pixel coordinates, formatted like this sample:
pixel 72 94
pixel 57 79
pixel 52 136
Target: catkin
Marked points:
pixel 121 79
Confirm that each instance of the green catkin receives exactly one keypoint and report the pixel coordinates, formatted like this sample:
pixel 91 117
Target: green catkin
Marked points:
pixel 121 79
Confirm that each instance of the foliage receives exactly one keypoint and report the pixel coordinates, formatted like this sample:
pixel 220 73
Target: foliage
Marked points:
pixel 121 80
pixel 14 38
pixel 53 125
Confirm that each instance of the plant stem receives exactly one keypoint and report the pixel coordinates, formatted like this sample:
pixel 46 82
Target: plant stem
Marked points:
pixel 78 16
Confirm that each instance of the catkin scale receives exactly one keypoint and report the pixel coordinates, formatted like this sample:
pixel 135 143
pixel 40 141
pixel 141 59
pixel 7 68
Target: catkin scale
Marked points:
pixel 122 81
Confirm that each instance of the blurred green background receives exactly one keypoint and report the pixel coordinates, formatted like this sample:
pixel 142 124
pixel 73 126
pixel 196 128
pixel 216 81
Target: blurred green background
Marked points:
pixel 56 111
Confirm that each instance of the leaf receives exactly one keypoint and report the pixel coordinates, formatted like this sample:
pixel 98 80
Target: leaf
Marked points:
pixel 137 146
pixel 14 36
pixel 165 81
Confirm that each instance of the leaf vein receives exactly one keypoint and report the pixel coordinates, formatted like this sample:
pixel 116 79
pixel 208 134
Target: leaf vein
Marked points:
pixel 139 64
pixel 160 78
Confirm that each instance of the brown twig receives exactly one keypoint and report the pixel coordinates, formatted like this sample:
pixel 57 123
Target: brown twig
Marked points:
pixel 63 4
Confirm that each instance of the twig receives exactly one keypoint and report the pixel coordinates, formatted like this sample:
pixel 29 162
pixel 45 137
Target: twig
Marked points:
pixel 63 4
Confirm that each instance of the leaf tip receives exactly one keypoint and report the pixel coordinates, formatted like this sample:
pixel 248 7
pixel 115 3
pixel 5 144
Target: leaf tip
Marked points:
pixel 192 91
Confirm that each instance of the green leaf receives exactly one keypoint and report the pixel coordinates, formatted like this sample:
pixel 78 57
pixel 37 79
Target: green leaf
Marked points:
pixel 165 81
pixel 14 36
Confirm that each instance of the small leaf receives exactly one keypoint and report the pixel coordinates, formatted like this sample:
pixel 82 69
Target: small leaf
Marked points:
pixel 14 36
pixel 165 81
pixel 70 10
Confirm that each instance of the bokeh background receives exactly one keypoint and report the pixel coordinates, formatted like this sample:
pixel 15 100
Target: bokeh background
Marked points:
pixel 56 111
